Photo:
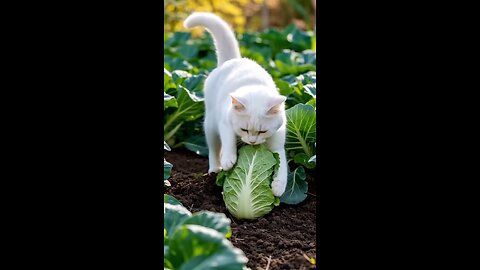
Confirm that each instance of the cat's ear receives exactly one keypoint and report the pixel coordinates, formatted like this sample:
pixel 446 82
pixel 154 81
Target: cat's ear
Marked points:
pixel 237 103
pixel 275 104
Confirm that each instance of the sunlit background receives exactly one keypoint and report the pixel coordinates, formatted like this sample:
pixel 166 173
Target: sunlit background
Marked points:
pixel 243 15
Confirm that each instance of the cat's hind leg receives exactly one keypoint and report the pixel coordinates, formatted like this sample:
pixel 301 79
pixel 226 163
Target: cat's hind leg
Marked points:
pixel 213 143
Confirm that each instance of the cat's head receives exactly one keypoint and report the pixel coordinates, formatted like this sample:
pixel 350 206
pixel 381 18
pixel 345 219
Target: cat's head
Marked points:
pixel 256 115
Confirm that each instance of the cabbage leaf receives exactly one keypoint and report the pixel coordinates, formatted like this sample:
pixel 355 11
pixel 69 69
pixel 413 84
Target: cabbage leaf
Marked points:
pixel 247 187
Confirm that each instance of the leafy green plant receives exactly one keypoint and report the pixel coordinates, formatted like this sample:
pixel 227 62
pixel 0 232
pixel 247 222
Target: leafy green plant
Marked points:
pixel 297 187
pixel 171 200
pixel 291 62
pixel 301 135
pixel 247 186
pixel 276 40
pixel 184 105
pixel 198 240
pixel 167 167
pixel 281 52
pixel 299 89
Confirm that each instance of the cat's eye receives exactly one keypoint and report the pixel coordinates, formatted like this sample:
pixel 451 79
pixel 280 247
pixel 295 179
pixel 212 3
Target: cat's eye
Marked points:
pixel 244 130
pixel 263 131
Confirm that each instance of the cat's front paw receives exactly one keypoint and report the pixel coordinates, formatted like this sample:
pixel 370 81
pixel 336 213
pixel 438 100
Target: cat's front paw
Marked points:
pixel 227 161
pixel 214 170
pixel 278 186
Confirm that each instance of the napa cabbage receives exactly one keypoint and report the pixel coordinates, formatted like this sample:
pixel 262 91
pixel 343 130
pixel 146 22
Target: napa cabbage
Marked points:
pixel 247 191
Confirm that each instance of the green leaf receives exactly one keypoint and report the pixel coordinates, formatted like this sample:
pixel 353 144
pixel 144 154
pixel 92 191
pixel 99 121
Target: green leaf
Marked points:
pixel 246 190
pixel 179 76
pixel 277 201
pixel 284 87
pixel 174 216
pixel 166 73
pixel 216 221
pixel 167 169
pixel 309 77
pixel 310 89
pixel 175 63
pixel 187 51
pixel 303 159
pixel 195 84
pixel 169 101
pixel 221 176
pixel 207 64
pixel 166 253
pixel 178 38
pixel 197 144
pixel 165 146
pixel 299 39
pixel 301 126
pixel 286 58
pixel 171 200
pixel 297 187
pixel 309 57
pixel 167 80
pixel 312 102
pixel 190 105
pixel 194 247
pixel 304 88
pixel 313 159
pixel 291 62
pixel 259 54
pixel 275 40
pixel 189 102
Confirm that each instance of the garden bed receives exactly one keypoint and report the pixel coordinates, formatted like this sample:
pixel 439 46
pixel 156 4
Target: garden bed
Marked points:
pixel 287 234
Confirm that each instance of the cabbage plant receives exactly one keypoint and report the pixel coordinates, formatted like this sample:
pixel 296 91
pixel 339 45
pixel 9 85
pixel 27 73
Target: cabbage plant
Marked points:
pixel 247 189
pixel 198 241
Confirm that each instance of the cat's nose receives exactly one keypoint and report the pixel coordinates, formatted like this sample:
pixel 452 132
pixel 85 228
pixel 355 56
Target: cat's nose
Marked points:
pixel 252 141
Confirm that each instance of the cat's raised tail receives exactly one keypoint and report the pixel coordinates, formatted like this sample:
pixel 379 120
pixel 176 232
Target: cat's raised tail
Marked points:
pixel 225 41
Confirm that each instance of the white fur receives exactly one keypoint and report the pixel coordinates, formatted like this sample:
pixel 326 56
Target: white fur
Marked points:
pixel 240 94
pixel 225 42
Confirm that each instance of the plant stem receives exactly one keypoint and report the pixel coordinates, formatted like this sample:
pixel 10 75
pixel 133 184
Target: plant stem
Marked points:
pixel 170 120
pixel 172 132
pixel 177 145
pixel 305 147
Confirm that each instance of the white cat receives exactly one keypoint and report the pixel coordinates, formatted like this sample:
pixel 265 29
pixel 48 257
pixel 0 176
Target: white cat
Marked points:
pixel 242 100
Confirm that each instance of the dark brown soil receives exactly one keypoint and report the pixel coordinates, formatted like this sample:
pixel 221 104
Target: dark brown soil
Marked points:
pixel 286 234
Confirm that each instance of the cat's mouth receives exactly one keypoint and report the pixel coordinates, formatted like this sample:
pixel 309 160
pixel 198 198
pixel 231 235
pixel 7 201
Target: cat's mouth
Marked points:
pixel 253 143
